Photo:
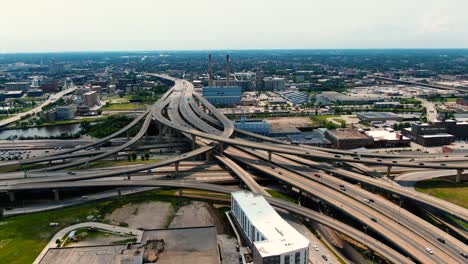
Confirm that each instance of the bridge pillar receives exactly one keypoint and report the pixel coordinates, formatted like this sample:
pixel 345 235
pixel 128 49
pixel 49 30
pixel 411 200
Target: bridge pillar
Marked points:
pixel 176 165
pixel 128 135
pixel 11 196
pixel 221 147
pixel 129 177
pixel 389 171
pixel 56 194
pixel 269 156
pixel 119 193
pixel 194 142
pixel 209 156
pixel 459 174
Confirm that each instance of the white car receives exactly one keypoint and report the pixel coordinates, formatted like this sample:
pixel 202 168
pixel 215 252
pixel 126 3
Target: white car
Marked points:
pixel 315 247
pixel 428 250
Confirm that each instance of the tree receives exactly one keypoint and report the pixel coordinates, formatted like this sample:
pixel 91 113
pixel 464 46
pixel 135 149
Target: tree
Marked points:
pixel 134 156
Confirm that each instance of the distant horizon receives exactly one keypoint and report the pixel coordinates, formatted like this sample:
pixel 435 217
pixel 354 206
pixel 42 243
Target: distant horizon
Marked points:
pixel 227 50
pixel 42 26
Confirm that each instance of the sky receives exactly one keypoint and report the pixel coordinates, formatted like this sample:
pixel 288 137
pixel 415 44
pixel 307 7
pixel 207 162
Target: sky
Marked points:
pixel 132 25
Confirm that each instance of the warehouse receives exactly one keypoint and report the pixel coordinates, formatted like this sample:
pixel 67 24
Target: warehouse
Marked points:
pixel 273 239
pixel 379 116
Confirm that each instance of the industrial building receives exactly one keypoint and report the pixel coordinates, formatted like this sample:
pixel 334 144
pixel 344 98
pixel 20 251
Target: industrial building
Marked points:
pixel 312 138
pixel 388 138
pixel 295 97
pixel 348 138
pixel 223 95
pixel 257 126
pixel 379 116
pixel 17 86
pixel 272 239
pixel 339 98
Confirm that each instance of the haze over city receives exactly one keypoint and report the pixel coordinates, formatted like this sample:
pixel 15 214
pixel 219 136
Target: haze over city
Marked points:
pixel 110 25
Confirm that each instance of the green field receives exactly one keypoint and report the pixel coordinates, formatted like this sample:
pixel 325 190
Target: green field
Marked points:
pixel 453 192
pixel 124 107
pixel 281 195
pixel 23 237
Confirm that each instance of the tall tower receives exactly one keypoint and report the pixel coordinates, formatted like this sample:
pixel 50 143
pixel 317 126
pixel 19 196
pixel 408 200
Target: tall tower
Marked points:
pixel 210 71
pixel 228 69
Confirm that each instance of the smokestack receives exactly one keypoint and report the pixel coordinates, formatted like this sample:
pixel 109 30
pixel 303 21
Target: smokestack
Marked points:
pixel 228 68
pixel 210 71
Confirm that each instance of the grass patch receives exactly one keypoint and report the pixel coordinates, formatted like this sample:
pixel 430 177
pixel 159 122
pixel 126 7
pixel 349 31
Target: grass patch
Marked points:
pixel 447 190
pixel 23 237
pixel 282 196
pixel 124 107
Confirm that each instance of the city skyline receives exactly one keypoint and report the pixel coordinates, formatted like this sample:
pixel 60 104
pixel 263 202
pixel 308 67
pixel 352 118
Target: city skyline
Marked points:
pixel 53 26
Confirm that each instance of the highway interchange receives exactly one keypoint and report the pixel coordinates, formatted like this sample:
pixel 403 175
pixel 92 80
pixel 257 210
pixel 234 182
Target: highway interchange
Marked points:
pixel 407 238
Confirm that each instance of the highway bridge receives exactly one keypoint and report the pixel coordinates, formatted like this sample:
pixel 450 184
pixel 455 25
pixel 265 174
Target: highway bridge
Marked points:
pixel 400 236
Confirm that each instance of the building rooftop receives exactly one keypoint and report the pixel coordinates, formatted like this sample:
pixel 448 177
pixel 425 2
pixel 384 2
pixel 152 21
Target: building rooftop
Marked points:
pixel 385 135
pixel 280 237
pixel 347 134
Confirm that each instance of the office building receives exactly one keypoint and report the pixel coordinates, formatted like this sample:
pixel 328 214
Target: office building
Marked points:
pixel 437 133
pixel 65 112
pixel 223 95
pixel 257 126
pixel 90 99
pixel 35 93
pixel 10 94
pixel 273 84
pixel 295 97
pixel 17 86
pixel 272 239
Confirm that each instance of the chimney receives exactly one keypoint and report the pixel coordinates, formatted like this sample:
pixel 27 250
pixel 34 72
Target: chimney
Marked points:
pixel 210 71
pixel 228 68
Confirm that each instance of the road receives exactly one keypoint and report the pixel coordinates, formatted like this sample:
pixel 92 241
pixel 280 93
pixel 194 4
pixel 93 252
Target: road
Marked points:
pixel 212 134
pixel 52 98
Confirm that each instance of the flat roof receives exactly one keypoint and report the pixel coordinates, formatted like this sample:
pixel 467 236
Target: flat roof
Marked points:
pixel 385 135
pixel 195 245
pixel 347 134
pixel 437 135
pixel 280 237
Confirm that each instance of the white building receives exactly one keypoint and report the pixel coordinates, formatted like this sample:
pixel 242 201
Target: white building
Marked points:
pixel 273 239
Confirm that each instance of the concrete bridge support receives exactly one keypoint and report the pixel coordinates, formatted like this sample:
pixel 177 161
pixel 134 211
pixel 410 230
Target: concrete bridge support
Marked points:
pixel 194 142
pixel 11 197
pixel 56 195
pixel 209 155
pixel 176 165
pixel 389 171
pixel 459 174
pixel 269 156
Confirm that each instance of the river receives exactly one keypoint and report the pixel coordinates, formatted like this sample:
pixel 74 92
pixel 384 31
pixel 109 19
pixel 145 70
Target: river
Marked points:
pixel 45 131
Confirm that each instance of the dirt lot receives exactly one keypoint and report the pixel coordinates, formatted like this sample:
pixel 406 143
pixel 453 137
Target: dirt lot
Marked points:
pixel 150 215
pixel 289 122
pixel 197 213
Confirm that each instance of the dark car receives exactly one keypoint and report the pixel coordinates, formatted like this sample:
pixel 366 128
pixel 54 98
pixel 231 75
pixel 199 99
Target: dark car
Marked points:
pixel 441 240
pixel 325 257
pixel 373 219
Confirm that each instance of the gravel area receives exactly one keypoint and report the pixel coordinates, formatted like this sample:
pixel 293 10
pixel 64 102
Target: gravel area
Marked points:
pixel 151 215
